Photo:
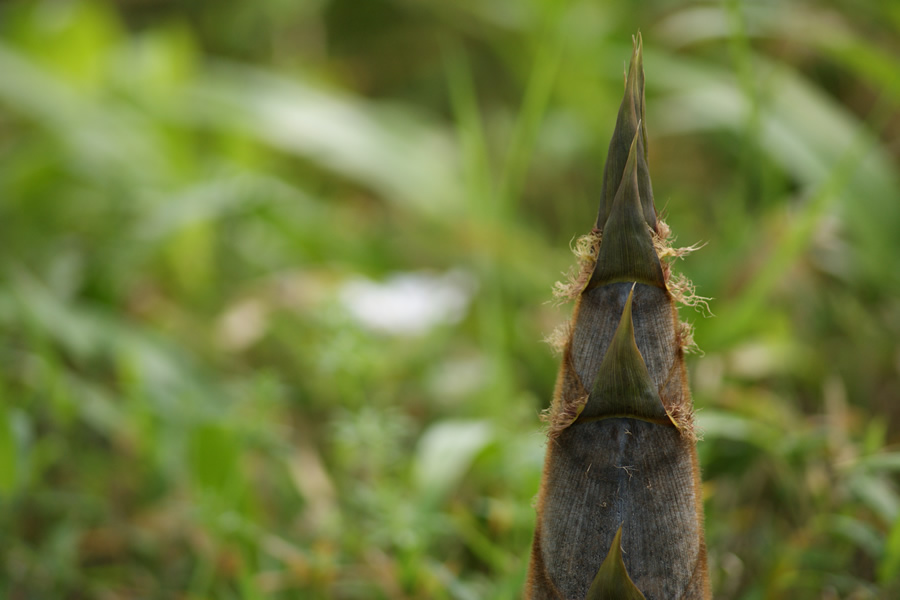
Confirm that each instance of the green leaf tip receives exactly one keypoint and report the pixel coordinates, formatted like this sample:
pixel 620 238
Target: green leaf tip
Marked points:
pixel 630 120
pixel 626 251
pixel 612 581
pixel 623 387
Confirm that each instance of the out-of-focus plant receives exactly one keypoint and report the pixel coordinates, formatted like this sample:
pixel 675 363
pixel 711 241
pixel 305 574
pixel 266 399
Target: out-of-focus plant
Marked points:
pixel 201 203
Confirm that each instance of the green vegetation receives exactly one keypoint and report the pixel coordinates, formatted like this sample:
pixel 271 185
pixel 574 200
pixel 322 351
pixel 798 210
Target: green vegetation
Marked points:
pixel 200 207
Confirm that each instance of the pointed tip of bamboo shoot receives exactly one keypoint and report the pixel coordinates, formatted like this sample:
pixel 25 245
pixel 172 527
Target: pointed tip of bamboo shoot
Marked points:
pixel 630 120
pixel 612 581
pixel 623 387
pixel 627 252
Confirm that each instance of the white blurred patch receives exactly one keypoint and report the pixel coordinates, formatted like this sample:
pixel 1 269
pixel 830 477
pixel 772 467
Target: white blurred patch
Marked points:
pixel 409 303
pixel 455 378
pixel 446 451
pixel 243 324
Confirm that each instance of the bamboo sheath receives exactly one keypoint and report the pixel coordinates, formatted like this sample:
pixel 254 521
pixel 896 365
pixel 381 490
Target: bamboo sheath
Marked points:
pixel 619 512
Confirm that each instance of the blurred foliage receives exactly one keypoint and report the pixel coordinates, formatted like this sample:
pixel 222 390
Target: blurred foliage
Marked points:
pixel 193 197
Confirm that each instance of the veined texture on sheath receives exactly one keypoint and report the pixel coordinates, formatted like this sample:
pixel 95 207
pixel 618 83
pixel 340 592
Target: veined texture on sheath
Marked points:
pixel 619 512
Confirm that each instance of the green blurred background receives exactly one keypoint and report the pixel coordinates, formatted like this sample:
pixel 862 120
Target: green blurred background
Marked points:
pixel 276 275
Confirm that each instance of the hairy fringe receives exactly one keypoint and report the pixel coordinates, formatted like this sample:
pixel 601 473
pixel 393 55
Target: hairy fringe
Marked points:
pixel 663 245
pixel 559 337
pixel 558 420
pixel 680 287
pixel 683 416
pixel 684 292
pixel 585 249
pixel 685 335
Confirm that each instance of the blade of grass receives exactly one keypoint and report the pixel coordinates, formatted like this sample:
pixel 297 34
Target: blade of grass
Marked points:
pixel 531 114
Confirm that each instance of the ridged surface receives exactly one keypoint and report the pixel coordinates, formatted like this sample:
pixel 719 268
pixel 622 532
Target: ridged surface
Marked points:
pixel 604 473
pixel 597 317
pixel 625 472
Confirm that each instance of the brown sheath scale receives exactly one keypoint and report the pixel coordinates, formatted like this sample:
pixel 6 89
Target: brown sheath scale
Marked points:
pixel 619 512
